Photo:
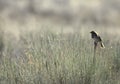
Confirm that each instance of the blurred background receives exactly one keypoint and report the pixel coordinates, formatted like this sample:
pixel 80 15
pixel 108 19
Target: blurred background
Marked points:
pixel 34 14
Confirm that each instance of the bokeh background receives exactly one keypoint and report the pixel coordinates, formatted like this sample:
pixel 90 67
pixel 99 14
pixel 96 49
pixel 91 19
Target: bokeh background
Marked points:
pixel 76 14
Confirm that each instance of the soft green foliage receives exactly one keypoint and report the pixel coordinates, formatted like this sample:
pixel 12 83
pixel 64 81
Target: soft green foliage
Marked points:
pixel 50 58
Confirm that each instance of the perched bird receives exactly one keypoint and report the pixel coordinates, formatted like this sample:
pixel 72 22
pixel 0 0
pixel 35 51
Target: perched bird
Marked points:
pixel 97 39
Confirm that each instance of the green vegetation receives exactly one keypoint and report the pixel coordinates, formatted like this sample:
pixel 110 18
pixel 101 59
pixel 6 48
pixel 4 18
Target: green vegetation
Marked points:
pixel 44 57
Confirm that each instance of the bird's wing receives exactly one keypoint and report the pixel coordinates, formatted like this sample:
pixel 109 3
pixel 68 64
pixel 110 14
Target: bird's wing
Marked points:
pixel 99 38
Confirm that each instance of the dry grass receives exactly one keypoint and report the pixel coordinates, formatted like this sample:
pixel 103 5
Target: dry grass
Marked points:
pixel 44 57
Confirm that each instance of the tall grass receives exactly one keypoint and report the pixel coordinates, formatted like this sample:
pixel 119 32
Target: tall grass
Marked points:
pixel 50 58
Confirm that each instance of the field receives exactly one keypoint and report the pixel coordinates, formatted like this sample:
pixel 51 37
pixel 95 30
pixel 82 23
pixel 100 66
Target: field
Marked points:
pixel 49 42
pixel 47 57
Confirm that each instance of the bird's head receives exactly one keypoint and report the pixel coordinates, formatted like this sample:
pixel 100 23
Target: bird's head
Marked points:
pixel 92 32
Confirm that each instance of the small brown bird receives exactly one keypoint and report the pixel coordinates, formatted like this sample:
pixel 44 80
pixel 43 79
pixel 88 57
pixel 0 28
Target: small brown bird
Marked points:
pixel 97 39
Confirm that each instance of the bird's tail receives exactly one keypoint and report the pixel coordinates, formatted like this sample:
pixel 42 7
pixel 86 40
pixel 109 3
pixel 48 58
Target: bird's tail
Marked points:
pixel 102 45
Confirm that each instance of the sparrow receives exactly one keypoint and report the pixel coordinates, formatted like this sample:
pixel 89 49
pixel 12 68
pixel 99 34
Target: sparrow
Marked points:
pixel 97 39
